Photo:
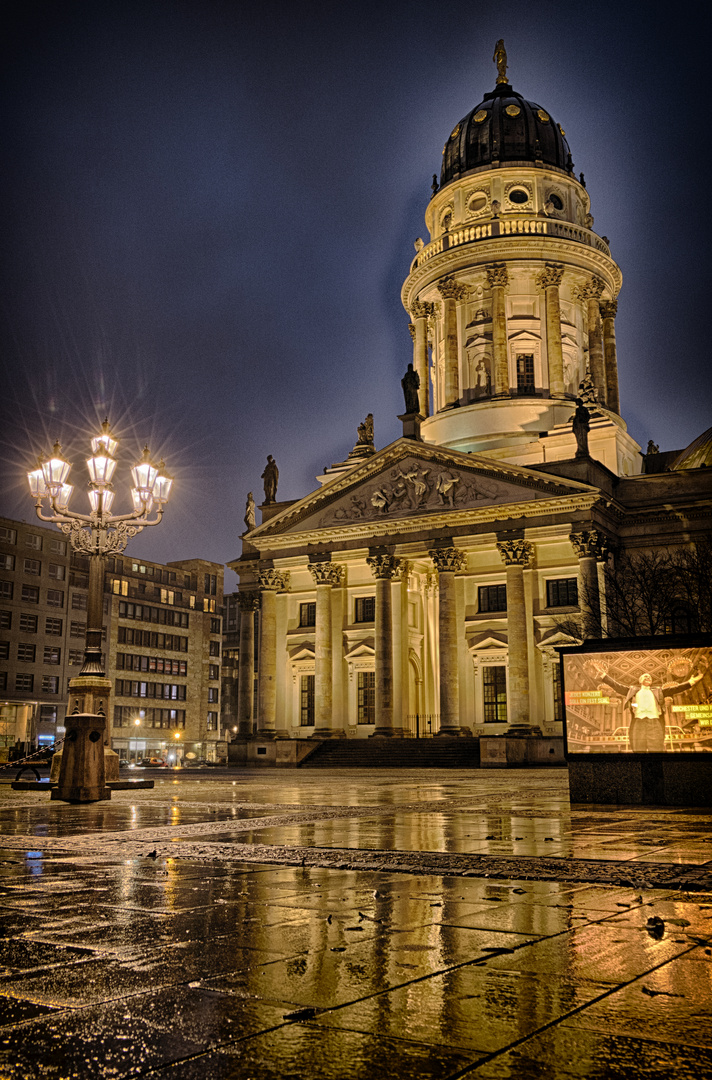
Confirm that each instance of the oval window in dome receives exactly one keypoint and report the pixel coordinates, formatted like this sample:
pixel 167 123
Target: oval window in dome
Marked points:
pixel 561 130
pixel 518 195
pixel 543 116
pixel 455 132
pixel 477 203
pixel 512 110
pixel 555 201
pixel 480 116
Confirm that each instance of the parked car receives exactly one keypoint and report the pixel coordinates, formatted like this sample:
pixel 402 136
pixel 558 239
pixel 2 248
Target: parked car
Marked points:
pixel 151 763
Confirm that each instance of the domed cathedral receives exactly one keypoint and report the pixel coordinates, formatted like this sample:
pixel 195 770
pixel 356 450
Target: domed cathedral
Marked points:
pixel 423 588
pixel 515 295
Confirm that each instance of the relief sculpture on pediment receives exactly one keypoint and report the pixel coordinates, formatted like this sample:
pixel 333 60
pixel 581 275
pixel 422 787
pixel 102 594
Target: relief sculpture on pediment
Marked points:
pixel 413 486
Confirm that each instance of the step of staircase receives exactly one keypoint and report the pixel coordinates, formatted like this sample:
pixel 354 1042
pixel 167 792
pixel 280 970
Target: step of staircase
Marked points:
pixel 440 753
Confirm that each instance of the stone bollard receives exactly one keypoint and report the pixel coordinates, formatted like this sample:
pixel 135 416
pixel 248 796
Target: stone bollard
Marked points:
pixel 82 776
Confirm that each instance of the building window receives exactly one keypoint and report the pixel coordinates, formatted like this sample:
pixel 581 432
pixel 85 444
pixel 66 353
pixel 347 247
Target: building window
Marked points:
pixel 213 694
pixel 28 623
pixel 213 671
pixel 55 598
pixel 208 605
pixel 8 536
pixel 681 620
pixel 367 697
pixel 58 547
pixel 558 703
pixel 56 571
pixel 4 650
pixel 6 590
pixel 78 629
pixel 24 683
pixel 211 584
pixel 7 562
pixel 525 374
pixel 562 592
pixel 32 540
pixel 494 682
pixel 52 654
pixel 212 721
pixel 5 620
pixel 53 626
pixel 214 648
pixel 3 680
pixel 79 601
pixel 215 626
pixel 32 566
pixel 50 684
pixel 365 609
pixel 307 614
pixel 492 598
pixel 26 652
pixel 76 657
pixel 306 705
pixel 48 713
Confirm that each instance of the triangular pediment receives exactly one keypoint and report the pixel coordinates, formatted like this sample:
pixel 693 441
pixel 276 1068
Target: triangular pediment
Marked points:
pixel 414 480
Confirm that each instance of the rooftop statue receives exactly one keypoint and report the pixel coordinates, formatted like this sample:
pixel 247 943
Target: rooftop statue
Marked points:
pixel 500 59
pixel 581 427
pixel 411 384
pixel 271 478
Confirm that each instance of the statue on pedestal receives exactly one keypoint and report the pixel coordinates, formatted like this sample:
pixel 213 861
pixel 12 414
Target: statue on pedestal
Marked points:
pixel 270 477
pixel 581 427
pixel 365 432
pixel 250 520
pixel 411 384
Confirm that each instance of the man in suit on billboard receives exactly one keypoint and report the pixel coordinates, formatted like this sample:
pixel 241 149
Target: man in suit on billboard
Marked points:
pixel 645 705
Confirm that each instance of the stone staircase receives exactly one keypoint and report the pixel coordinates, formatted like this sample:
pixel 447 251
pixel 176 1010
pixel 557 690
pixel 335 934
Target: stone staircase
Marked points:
pixel 439 753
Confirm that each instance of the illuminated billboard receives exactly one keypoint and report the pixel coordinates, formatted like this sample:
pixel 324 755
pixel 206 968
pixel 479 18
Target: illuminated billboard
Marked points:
pixel 638 697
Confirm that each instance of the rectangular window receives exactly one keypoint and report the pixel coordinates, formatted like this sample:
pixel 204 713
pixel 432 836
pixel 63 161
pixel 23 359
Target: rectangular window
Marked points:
pixel 6 590
pixel 79 601
pixel 367 697
pixel 212 721
pixel 55 598
pixel 58 547
pixel 214 648
pixel 562 592
pixel 213 671
pixel 32 566
pixel 4 650
pixel 492 598
pixel 50 684
pixel 306 709
pixel 494 682
pixel 48 713
pixel 211 584
pixel 76 657
pixel 28 623
pixel 307 614
pixel 213 694
pixel 78 629
pixel 56 571
pixel 54 627
pixel 34 541
pixel 5 620
pixel 365 609
pixel 26 652
pixel 8 536
pixel 7 562
pixel 51 655
pixel 525 374
pixel 3 680
pixel 24 683
pixel 215 626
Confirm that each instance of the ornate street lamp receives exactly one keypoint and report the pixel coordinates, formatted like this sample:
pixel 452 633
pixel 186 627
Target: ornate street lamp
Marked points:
pixel 97 534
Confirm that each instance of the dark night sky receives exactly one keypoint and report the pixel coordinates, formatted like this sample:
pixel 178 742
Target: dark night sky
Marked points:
pixel 210 209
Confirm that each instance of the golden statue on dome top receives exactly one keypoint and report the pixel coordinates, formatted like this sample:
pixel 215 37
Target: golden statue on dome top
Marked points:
pixel 500 59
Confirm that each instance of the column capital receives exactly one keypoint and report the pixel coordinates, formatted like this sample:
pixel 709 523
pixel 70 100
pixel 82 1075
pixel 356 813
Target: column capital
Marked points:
pixel 591 544
pixel 248 600
pixel 326 573
pixel 450 289
pixel 515 552
pixel 272 580
pixel 421 309
pixel 590 290
pixel 609 308
pixel 384 566
pixel 411 330
pixel 403 570
pixel 448 559
pixel 550 275
pixel 497 276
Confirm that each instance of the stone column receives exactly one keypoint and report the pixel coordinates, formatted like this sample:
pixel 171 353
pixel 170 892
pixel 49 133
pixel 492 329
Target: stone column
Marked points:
pixel 447 561
pixel 590 547
pixel 325 574
pixel 517 555
pixel 591 293
pixel 549 280
pixel 248 603
pixel 270 581
pixel 420 312
pixel 608 312
pixel 498 279
pixel 384 568
pixel 451 290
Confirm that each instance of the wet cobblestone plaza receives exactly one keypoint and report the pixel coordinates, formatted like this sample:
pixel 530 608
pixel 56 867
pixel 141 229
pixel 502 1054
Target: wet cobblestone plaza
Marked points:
pixel 263 924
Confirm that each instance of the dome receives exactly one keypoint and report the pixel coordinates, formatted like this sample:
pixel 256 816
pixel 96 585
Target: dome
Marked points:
pixel 697 455
pixel 503 128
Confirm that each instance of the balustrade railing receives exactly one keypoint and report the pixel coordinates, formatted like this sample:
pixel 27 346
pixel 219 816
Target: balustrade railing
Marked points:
pixel 520 226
